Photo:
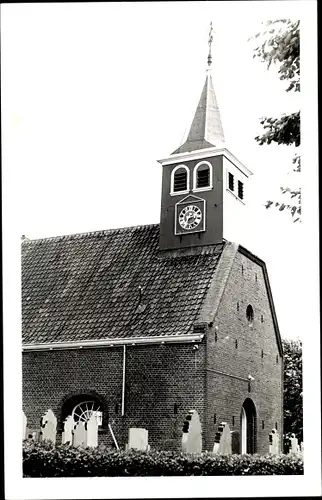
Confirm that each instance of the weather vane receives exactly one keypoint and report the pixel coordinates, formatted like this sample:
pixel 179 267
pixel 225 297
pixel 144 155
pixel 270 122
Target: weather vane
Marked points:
pixel 210 39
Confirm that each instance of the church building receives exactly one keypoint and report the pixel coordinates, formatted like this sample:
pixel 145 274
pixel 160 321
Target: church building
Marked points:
pixel 140 325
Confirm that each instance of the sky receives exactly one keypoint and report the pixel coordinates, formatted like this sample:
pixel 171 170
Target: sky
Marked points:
pixel 93 94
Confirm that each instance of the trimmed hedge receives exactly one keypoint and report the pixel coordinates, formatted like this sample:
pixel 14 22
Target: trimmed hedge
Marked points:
pixel 47 460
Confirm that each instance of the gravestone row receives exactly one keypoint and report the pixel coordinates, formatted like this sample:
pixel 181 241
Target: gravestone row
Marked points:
pixel 86 434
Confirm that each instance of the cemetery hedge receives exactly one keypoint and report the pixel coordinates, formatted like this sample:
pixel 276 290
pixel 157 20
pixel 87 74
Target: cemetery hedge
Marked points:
pixel 47 460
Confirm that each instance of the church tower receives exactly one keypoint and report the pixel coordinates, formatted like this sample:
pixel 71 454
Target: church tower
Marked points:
pixel 204 186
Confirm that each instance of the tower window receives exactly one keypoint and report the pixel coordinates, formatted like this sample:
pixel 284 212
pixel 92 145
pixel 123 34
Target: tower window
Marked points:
pixel 236 343
pixel 250 314
pixel 240 190
pixel 180 179
pixel 175 409
pixel 263 424
pixel 262 354
pixel 230 181
pixel 202 176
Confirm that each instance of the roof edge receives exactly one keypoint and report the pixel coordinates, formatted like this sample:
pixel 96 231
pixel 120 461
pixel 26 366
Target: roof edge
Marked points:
pixel 218 283
pixel 262 264
pixel 162 339
pixel 101 232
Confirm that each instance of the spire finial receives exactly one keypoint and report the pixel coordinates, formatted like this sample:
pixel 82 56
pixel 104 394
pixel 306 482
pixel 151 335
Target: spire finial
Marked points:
pixel 210 39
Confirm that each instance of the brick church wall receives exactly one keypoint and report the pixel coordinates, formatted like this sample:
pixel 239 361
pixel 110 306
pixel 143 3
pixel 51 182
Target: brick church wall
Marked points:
pixel 158 377
pixel 245 286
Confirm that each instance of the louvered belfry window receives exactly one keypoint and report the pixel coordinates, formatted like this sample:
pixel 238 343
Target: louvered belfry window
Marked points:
pixel 240 190
pixel 203 176
pixel 180 180
pixel 230 181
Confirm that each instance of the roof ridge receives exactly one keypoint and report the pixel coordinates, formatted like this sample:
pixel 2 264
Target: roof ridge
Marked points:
pixel 101 232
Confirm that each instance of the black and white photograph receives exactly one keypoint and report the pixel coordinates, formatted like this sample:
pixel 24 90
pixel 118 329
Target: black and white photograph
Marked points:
pixel 160 249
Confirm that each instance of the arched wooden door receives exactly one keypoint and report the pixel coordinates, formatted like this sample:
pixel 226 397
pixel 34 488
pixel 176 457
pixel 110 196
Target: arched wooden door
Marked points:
pixel 248 427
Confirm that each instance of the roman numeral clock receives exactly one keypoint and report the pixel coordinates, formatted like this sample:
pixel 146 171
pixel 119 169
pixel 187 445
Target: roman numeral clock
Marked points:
pixel 190 215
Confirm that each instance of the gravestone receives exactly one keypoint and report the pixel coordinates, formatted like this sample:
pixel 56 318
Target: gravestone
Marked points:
pixel 191 433
pixel 235 442
pixel 79 434
pixel 67 435
pixel 138 439
pixel 24 426
pixel 294 448
pixel 302 447
pixel 48 426
pixel 91 427
pixel 222 445
pixel 274 443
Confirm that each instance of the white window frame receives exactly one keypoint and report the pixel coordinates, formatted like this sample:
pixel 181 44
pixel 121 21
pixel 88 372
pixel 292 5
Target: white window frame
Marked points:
pixel 195 171
pixel 185 191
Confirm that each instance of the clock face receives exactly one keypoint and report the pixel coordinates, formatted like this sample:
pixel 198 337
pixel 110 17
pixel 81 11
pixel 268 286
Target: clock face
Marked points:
pixel 190 217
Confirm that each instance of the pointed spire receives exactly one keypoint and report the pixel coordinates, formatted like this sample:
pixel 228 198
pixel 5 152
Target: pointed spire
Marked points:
pixel 206 130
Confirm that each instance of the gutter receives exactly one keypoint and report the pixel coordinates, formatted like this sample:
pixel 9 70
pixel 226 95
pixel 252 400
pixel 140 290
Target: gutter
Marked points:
pixel 90 344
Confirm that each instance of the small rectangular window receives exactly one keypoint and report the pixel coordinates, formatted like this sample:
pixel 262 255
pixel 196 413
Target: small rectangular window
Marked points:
pixel 230 181
pixel 240 190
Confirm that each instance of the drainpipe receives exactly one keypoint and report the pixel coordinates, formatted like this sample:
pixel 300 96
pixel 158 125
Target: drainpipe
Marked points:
pixel 123 381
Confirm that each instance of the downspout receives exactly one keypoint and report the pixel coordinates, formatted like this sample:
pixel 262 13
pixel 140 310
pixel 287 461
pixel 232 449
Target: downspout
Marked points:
pixel 123 398
pixel 123 381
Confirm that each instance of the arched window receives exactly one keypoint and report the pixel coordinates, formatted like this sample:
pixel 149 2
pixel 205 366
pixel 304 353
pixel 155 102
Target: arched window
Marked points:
pixel 83 411
pixel 180 180
pixel 202 176
pixel 250 314
pixel 82 407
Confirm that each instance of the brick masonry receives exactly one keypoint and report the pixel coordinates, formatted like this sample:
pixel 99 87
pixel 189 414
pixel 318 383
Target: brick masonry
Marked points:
pixel 164 381
pixel 157 378
pixel 225 394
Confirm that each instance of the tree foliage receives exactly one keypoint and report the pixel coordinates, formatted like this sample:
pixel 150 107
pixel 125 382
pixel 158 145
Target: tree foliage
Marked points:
pixel 279 43
pixel 283 130
pixel 293 395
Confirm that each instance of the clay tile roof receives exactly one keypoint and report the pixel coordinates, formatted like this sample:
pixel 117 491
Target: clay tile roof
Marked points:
pixel 86 286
